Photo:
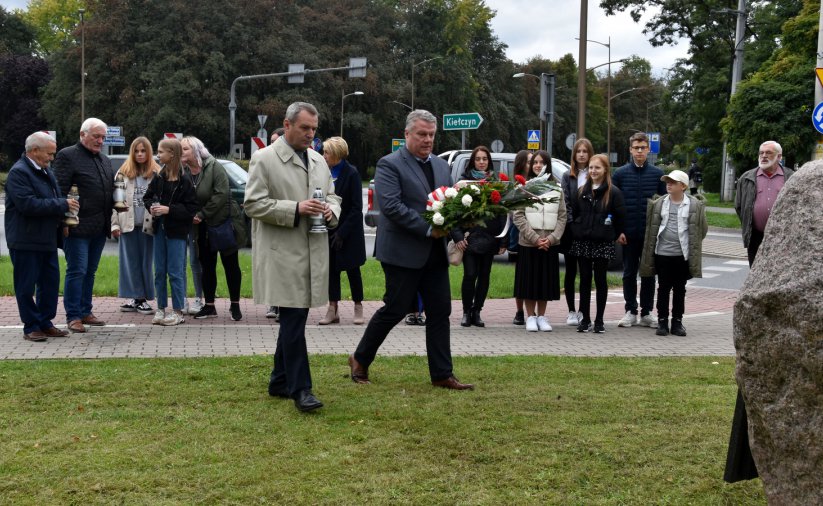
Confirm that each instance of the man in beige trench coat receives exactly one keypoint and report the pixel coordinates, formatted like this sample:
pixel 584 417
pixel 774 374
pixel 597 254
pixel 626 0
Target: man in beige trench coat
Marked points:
pixel 290 265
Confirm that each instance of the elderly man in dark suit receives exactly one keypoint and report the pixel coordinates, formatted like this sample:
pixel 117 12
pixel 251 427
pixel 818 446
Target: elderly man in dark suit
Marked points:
pixel 83 165
pixel 34 208
pixel 412 254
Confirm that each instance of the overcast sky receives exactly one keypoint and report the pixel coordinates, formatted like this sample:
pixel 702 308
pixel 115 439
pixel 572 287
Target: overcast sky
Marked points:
pixel 548 28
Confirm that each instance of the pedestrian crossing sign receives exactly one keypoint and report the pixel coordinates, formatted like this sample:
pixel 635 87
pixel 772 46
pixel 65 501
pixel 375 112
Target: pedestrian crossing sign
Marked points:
pixel 534 136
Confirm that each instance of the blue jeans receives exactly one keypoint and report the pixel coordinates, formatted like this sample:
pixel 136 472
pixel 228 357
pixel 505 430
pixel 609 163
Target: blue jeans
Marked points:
pixel 82 258
pixel 169 259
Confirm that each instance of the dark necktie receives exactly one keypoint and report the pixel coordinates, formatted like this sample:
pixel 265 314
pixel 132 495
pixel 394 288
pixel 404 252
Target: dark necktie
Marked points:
pixel 428 172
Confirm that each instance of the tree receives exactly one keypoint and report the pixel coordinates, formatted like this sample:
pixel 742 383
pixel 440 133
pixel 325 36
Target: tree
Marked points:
pixel 21 79
pixel 54 22
pixel 15 36
pixel 700 85
pixel 776 101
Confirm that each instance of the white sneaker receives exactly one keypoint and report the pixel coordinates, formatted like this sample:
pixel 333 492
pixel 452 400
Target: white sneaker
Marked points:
pixel 543 324
pixel 531 324
pixel 628 320
pixel 573 319
pixel 172 319
pixel 195 307
pixel 159 316
pixel 647 321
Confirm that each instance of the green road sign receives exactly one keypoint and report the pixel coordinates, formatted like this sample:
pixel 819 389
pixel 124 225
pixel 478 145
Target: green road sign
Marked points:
pixel 462 121
pixel 397 144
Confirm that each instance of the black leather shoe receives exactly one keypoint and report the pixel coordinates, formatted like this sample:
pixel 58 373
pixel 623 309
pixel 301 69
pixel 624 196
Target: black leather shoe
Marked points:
pixel 306 401
pixel 519 318
pixel 466 321
pixel 662 327
pixel 677 327
pixel 476 321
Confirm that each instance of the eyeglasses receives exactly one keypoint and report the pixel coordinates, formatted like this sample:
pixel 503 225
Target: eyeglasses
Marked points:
pixel 639 148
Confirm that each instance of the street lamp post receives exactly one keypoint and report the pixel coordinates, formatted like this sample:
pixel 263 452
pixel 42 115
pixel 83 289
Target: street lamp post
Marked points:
pixel 82 65
pixel 608 46
pixel 652 106
pixel 609 126
pixel 414 65
pixel 547 90
pixel 407 106
pixel 343 101
pixel 581 72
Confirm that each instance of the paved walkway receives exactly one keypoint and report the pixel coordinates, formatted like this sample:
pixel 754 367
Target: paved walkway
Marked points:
pixel 131 334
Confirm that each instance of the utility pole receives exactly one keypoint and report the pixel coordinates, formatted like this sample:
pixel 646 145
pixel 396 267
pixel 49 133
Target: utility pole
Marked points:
pixel 581 72
pixel 727 179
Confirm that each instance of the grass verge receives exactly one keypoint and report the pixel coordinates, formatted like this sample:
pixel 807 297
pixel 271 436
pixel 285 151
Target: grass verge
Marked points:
pixel 538 430
pixel 501 283
pixel 722 220
pixel 713 199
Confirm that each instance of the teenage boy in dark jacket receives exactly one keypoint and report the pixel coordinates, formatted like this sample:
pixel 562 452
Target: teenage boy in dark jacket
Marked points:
pixel 639 181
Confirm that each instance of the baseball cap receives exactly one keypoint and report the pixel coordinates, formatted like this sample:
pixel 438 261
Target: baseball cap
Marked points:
pixel 677 176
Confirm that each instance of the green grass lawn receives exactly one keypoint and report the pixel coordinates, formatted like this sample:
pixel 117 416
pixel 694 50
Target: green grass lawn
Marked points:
pixel 722 220
pixel 501 284
pixel 713 200
pixel 538 430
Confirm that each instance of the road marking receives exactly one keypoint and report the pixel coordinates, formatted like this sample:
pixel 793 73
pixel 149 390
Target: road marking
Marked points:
pixel 709 275
pixel 742 263
pixel 720 268
pixel 698 315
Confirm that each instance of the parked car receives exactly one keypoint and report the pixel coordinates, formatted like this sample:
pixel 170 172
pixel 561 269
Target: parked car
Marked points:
pixel 502 162
pixel 238 178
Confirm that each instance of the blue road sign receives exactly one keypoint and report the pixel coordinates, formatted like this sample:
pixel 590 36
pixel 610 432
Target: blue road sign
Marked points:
pixel 817 118
pixel 654 142
pixel 534 136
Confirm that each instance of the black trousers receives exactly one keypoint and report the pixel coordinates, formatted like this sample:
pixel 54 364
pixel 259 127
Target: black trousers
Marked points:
pixel 600 267
pixel 755 241
pixel 568 282
pixel 477 271
pixel 36 278
pixel 402 286
pixel 208 262
pixel 631 265
pixel 291 357
pixel 355 284
pixel 672 274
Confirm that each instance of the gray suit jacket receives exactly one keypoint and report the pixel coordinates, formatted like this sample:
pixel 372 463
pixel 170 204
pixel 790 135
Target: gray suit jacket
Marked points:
pixel 402 192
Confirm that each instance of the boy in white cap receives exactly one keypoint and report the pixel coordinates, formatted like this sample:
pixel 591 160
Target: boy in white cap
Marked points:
pixel 675 228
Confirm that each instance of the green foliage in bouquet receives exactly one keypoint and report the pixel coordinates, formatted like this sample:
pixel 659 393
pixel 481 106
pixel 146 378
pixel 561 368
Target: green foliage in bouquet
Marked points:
pixel 472 203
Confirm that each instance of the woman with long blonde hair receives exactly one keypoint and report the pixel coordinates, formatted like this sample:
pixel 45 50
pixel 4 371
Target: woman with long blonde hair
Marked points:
pixel 172 203
pixel 582 152
pixel 136 248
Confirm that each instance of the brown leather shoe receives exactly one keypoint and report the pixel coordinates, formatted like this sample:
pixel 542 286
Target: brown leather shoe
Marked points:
pixel 359 374
pixel 55 332
pixel 76 326
pixel 36 336
pixel 452 383
pixel 92 320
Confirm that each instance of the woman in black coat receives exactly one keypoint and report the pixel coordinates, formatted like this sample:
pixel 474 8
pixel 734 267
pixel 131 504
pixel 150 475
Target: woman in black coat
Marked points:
pixel 347 243
pixel 479 245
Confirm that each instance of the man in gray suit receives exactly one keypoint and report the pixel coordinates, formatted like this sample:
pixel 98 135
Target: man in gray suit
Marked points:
pixel 412 254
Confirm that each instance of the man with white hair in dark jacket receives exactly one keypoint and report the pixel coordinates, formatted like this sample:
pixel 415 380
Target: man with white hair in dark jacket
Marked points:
pixel 83 165
pixel 34 208
pixel 639 181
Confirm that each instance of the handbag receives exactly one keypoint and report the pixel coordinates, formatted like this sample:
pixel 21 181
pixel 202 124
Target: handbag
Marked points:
pixel 221 237
pixel 455 255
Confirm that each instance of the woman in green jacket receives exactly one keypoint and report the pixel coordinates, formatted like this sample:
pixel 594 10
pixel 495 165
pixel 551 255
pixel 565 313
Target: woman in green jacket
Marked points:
pixel 211 185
